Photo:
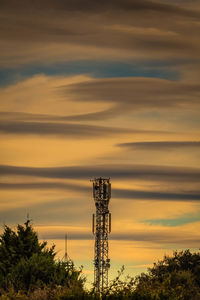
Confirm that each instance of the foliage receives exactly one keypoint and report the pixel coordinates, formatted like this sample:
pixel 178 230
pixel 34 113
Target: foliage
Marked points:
pixel 27 264
pixel 173 278
pixel 120 289
pixel 29 271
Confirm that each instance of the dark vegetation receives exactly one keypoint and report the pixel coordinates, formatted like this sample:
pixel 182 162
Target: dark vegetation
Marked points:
pixel 29 270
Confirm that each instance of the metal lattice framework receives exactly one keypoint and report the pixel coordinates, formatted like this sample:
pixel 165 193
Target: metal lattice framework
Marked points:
pixel 101 227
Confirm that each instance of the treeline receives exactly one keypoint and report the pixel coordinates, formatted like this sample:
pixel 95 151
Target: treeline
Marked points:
pixel 29 270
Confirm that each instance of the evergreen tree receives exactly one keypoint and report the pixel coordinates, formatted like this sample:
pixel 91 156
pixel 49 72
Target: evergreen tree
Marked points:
pixel 26 264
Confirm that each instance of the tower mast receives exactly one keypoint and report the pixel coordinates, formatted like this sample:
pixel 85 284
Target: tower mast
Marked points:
pixel 101 227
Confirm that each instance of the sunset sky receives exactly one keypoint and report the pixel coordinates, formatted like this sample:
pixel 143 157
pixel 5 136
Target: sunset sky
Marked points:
pixel 102 88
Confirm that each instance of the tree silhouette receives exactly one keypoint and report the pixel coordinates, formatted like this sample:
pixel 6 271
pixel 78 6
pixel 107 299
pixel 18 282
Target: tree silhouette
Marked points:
pixel 173 278
pixel 25 263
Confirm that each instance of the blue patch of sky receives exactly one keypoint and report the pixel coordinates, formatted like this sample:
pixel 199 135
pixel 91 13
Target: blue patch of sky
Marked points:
pixel 97 69
pixel 185 219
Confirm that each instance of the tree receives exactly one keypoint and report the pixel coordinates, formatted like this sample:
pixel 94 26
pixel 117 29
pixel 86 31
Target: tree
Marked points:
pixel 173 278
pixel 26 264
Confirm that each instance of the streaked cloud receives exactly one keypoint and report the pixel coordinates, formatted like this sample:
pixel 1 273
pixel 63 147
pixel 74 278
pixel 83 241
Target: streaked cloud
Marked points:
pixel 103 99
pixel 117 193
pixel 154 195
pixel 44 117
pixel 65 129
pixel 39 37
pixel 155 234
pixel 114 171
pixel 137 93
pixel 161 145
pixel 184 219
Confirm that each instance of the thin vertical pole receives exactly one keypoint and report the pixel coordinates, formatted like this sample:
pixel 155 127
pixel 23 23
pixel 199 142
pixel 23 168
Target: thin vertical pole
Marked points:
pixel 66 255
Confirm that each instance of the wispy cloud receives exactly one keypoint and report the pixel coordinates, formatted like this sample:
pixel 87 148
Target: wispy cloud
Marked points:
pixel 156 234
pixel 161 145
pixel 39 37
pixel 66 129
pixel 173 222
pixel 144 172
pixel 117 193
pixel 94 116
pixel 136 92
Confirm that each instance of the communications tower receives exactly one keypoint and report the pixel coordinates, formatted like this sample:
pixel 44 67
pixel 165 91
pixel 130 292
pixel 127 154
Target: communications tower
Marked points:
pixel 101 227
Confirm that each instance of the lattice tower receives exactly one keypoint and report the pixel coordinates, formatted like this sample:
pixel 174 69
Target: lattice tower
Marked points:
pixel 101 227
